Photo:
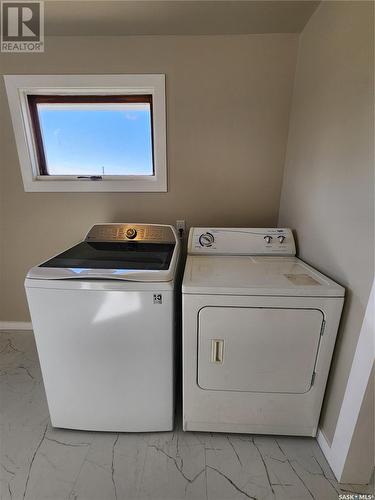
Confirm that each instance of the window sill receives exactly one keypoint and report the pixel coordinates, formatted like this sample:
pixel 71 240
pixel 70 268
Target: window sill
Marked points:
pixel 48 184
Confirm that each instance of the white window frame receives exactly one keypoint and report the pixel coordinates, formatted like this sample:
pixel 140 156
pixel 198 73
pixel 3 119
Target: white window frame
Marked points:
pixel 18 87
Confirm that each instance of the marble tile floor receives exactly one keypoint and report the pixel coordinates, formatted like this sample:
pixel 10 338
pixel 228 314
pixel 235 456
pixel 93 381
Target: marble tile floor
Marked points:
pixel 38 462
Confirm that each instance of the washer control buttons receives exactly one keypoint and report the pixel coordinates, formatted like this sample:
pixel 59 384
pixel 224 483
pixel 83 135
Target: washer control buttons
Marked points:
pixel 268 239
pixel 206 239
pixel 131 233
pixel 281 238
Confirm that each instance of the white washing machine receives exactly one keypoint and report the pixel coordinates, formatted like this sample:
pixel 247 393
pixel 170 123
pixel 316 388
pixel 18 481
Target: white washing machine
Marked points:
pixel 259 329
pixel 103 317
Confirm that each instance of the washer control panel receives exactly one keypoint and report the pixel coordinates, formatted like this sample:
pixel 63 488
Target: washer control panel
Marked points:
pixel 151 233
pixel 241 241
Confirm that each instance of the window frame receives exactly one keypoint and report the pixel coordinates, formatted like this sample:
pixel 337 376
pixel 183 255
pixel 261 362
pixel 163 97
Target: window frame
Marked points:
pixel 21 89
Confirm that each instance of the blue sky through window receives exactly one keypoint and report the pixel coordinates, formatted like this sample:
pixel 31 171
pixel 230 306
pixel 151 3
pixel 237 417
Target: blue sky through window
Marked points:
pixel 97 138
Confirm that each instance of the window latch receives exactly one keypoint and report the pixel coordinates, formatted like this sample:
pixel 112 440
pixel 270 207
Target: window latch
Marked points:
pixel 91 177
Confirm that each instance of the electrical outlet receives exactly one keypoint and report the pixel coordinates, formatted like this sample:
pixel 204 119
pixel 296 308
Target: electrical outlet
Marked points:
pixel 180 225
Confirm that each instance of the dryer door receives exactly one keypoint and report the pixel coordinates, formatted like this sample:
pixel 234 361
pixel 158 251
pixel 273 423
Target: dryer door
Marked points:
pixel 258 349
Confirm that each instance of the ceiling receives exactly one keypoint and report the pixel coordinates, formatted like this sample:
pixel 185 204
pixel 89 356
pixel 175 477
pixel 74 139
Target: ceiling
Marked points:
pixel 175 17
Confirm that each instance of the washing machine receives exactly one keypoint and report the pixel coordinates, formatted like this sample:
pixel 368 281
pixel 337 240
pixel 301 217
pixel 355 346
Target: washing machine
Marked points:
pixel 103 314
pixel 259 329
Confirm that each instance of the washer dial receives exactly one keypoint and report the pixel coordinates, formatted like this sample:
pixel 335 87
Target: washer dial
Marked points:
pixel 131 233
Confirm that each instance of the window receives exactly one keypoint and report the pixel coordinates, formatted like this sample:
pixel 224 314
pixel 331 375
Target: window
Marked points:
pixel 94 133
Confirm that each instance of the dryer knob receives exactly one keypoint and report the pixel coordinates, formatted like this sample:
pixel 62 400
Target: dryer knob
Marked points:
pixel 281 238
pixel 206 239
pixel 268 239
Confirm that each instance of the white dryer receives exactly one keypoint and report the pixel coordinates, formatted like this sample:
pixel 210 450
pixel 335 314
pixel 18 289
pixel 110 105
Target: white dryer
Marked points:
pixel 259 329
pixel 103 314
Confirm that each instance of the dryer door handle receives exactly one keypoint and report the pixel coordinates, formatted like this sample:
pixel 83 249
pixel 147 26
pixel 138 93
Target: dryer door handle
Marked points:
pixel 217 350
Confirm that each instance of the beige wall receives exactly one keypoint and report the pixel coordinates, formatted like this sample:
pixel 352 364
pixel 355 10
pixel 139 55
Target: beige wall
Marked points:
pixel 359 464
pixel 327 194
pixel 228 101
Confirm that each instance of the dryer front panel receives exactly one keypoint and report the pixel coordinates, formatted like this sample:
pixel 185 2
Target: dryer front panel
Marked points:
pixel 258 349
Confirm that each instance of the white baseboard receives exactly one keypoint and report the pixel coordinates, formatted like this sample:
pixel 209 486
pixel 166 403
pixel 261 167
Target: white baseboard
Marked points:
pixel 326 449
pixel 15 325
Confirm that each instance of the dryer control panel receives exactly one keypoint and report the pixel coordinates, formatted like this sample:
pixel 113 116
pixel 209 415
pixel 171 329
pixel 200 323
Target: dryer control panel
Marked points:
pixel 241 241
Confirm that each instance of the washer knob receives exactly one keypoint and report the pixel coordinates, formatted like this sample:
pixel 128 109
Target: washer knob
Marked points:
pixel 281 238
pixel 206 239
pixel 268 239
pixel 131 233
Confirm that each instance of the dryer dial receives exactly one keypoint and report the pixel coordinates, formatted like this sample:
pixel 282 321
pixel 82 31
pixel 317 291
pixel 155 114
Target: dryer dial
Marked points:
pixel 268 239
pixel 206 240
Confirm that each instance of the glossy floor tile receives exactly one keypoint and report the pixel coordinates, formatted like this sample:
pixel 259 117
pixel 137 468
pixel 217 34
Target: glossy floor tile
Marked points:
pixel 38 462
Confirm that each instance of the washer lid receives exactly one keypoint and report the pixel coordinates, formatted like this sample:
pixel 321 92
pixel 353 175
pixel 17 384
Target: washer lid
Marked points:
pixel 248 275
pixel 131 252
pixel 110 260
